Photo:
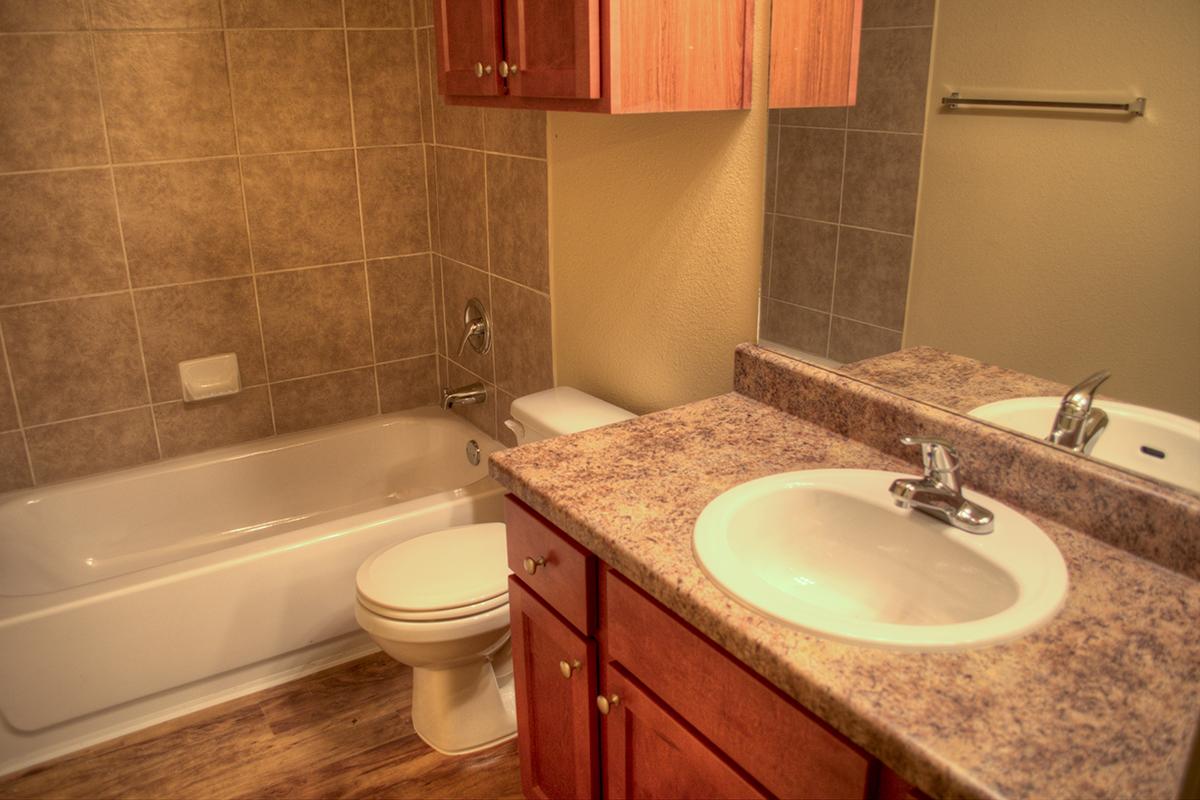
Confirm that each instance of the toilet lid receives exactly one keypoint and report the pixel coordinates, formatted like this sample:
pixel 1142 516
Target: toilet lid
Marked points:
pixel 448 573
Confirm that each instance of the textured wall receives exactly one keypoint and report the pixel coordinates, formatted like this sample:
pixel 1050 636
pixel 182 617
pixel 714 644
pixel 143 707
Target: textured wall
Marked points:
pixel 1057 244
pixel 842 196
pixel 655 241
pixel 184 179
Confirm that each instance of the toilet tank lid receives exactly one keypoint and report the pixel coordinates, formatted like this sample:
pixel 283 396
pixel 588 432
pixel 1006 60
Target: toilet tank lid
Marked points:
pixel 564 409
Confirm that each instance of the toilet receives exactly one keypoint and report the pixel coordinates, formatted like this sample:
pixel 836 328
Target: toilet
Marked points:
pixel 439 602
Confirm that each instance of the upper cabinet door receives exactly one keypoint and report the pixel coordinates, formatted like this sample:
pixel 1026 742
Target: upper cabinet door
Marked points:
pixel 553 48
pixel 468 47
pixel 814 52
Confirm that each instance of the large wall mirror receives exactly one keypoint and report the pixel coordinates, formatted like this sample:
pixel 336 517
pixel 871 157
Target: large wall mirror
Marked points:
pixel 991 253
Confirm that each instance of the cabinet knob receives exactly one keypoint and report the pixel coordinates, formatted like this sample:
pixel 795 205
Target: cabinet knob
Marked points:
pixel 512 69
pixel 503 69
pixel 606 704
pixel 478 69
pixel 533 562
pixel 568 669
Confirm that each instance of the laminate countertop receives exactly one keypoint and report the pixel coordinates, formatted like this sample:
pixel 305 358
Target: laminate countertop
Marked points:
pixel 1101 702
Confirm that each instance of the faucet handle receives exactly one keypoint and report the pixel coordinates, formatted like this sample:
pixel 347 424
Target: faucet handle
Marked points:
pixel 940 459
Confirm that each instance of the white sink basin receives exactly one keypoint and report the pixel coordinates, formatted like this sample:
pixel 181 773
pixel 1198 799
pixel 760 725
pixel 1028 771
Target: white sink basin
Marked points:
pixel 828 552
pixel 1161 445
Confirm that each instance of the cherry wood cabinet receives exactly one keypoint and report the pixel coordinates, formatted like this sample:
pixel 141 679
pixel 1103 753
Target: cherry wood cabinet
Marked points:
pixel 608 56
pixel 651 752
pixel 555 668
pixel 814 52
pixel 619 697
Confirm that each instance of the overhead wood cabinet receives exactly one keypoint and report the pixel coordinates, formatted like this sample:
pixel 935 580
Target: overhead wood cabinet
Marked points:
pixel 814 52
pixel 608 56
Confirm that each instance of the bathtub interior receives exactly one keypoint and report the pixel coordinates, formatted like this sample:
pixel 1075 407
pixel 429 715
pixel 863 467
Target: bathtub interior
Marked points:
pixel 92 529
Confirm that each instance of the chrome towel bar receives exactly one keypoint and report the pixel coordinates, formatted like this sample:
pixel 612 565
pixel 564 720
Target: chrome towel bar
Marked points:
pixel 1137 106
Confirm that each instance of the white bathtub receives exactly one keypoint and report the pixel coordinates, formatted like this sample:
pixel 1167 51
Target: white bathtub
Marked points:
pixel 129 597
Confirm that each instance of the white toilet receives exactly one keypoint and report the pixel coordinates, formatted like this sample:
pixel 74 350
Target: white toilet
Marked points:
pixel 439 602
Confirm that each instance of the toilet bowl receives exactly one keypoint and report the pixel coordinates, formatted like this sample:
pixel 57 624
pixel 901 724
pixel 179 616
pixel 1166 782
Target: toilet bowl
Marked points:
pixel 439 602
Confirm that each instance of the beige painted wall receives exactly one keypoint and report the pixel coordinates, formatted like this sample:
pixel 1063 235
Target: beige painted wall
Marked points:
pixel 1060 245
pixel 655 246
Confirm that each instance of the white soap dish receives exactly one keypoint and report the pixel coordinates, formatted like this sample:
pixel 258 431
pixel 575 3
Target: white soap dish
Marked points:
pixel 209 377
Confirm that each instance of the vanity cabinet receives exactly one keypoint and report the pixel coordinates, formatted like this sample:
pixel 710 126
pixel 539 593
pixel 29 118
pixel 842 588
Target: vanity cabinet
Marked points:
pixel 619 697
pixel 608 56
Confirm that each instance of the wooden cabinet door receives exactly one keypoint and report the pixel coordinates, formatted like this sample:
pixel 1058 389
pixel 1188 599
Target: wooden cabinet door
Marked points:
pixel 814 52
pixel 650 753
pixel 468 43
pixel 555 47
pixel 556 719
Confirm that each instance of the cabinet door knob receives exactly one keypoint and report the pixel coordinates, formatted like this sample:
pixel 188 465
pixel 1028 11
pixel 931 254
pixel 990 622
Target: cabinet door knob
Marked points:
pixel 512 69
pixel 568 669
pixel 606 704
pixel 478 69
pixel 503 69
pixel 533 562
pixel 487 69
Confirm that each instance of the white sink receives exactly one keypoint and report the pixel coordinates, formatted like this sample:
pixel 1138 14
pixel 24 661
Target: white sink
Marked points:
pixel 1161 445
pixel 828 552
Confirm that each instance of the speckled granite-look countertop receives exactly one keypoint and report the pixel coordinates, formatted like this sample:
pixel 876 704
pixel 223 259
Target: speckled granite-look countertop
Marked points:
pixel 1102 702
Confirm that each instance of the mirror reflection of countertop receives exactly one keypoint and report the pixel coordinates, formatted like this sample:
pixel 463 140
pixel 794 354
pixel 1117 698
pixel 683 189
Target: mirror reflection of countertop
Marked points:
pixel 1101 702
pixel 949 381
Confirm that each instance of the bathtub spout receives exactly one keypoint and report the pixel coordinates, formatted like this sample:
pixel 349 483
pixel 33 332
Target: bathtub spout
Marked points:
pixel 463 396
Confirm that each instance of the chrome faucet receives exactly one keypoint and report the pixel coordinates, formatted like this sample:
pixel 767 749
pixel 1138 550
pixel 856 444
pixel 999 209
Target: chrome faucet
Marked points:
pixel 1078 423
pixel 939 492
pixel 463 396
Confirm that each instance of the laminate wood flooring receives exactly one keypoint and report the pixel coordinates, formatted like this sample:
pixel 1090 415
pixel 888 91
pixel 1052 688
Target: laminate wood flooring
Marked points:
pixel 342 733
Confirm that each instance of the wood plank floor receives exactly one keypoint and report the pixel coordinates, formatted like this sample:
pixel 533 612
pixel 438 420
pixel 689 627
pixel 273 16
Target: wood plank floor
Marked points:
pixel 345 732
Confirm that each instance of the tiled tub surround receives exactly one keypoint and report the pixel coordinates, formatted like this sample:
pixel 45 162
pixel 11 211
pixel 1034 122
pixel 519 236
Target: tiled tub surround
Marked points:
pixel 841 198
pixel 490 223
pixel 1102 702
pixel 184 179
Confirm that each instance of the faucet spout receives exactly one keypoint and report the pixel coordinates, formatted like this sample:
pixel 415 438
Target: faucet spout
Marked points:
pixel 1077 423
pixel 938 492
pixel 463 396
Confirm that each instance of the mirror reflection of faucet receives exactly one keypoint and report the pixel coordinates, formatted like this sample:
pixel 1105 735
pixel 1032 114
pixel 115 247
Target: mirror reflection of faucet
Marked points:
pixel 1078 424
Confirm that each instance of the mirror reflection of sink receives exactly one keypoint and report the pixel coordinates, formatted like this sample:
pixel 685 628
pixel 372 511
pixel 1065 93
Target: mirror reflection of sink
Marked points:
pixel 828 552
pixel 1155 443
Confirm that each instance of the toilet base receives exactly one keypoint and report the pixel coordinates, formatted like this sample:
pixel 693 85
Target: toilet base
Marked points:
pixel 467 707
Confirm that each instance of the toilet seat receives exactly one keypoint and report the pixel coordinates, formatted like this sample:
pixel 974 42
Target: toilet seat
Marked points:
pixel 444 575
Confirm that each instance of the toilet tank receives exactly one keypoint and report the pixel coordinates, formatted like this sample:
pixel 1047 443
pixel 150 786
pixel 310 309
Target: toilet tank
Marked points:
pixel 558 411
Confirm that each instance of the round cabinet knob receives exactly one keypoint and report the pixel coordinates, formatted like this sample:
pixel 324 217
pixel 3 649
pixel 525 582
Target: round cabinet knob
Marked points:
pixel 478 69
pixel 533 562
pixel 512 69
pixel 487 70
pixel 568 669
pixel 503 69
pixel 606 704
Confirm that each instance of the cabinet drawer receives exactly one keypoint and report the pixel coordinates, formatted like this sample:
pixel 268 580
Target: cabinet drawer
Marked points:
pixel 560 571
pixel 785 748
pixel 649 752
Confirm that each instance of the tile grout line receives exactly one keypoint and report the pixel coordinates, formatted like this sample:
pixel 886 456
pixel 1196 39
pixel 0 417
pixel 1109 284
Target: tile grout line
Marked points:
pixel 812 310
pixel 487 231
pixel 189 159
pixel 837 244
pixel 774 207
pixel 211 29
pixel 12 388
pixel 237 146
pixel 362 221
pixel 112 179
pixel 500 277
pixel 842 224
pixel 159 286
pixel 430 200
